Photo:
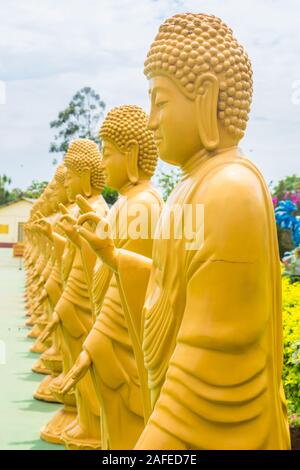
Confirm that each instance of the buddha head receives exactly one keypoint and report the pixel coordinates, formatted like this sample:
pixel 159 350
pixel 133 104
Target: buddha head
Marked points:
pixel 33 213
pixel 52 199
pixel 60 179
pixel 48 202
pixel 129 151
pixel 84 172
pixel 200 85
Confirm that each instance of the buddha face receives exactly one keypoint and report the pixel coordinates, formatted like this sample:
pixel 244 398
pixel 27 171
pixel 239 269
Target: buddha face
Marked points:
pixel 52 201
pixel 114 164
pixel 173 120
pixel 73 184
pixel 61 193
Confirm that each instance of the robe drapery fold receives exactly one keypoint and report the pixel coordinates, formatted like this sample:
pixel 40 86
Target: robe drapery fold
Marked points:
pixel 114 344
pixel 212 339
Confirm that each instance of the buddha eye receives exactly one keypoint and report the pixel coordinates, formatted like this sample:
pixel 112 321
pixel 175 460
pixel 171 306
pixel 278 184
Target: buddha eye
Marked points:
pixel 161 103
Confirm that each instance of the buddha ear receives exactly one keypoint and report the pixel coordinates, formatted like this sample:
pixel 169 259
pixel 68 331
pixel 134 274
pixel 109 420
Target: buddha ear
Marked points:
pixel 86 182
pixel 132 155
pixel 207 93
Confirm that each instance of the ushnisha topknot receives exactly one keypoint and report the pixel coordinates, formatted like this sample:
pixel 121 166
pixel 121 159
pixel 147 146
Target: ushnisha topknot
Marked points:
pixel 126 123
pixel 188 45
pixel 84 154
pixel 60 174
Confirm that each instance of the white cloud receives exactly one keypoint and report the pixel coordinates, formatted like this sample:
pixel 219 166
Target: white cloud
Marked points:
pixel 52 48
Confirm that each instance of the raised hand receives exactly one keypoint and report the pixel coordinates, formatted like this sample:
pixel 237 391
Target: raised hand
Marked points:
pixel 90 218
pixel 63 208
pixel 67 223
pixel 45 227
pixel 102 242
pixel 50 328
pixel 83 204
pixel 35 229
pixel 77 372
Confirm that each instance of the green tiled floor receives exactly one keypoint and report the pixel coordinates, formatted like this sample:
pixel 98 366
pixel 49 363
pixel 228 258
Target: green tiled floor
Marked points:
pixel 21 417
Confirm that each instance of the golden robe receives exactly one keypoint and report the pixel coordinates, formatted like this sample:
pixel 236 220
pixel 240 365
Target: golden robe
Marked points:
pixel 109 343
pixel 211 325
pixel 74 309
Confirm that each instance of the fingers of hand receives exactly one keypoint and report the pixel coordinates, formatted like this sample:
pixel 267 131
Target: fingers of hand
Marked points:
pixel 62 208
pixel 88 217
pixel 83 204
pixel 68 218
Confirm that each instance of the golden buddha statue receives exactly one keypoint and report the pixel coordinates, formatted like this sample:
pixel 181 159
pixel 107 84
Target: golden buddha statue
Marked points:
pixel 39 316
pixel 40 271
pixel 72 315
pixel 32 255
pixel 35 263
pixel 129 159
pixel 48 213
pixel 211 320
pixel 31 258
pixel 51 358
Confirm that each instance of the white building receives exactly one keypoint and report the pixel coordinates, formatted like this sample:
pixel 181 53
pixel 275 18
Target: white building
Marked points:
pixel 13 215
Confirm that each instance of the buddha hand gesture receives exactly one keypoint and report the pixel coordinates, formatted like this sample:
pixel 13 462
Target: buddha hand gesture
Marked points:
pixel 86 208
pixel 63 208
pixel 50 328
pixel 77 372
pixel 101 242
pixel 45 228
pixel 67 223
pixel 83 204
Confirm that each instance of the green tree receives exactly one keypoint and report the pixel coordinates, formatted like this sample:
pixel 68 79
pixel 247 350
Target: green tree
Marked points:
pixel 4 191
pixel 35 189
pixel 289 183
pixel 110 195
pixel 80 119
pixel 167 181
pixel 16 193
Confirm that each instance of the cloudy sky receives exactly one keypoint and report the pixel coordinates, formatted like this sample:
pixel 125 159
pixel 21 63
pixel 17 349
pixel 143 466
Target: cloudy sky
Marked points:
pixel 51 48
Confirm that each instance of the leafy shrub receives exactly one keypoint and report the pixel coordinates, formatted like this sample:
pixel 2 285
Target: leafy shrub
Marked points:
pixel 291 338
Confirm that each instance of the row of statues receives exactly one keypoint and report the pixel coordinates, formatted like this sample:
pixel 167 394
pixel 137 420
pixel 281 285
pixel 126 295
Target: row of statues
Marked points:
pixel 151 340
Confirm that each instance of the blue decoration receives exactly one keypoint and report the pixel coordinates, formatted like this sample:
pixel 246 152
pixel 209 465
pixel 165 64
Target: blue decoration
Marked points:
pixel 286 220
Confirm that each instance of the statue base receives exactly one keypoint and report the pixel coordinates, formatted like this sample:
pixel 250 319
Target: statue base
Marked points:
pixel 38 347
pixel 53 360
pixel 35 332
pixel 32 319
pixel 40 368
pixel 84 444
pixel 52 432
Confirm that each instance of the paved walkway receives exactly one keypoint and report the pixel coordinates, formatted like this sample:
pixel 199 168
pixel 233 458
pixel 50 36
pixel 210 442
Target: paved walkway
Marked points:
pixel 21 417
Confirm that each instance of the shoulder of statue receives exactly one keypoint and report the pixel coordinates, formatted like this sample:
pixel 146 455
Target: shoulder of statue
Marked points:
pixel 148 197
pixel 232 179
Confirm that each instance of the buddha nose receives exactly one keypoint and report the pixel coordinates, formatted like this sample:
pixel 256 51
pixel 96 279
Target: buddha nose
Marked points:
pixel 152 121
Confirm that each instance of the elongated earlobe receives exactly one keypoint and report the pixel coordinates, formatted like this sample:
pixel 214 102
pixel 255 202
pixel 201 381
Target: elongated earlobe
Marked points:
pixel 206 109
pixel 86 182
pixel 132 161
